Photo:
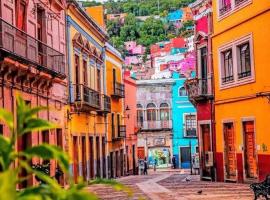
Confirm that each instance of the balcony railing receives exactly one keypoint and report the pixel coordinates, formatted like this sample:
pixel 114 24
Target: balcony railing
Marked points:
pixel 25 48
pixel 86 96
pixel 105 104
pixel 239 2
pixel 118 90
pixel 155 125
pixel 199 89
pixel 225 9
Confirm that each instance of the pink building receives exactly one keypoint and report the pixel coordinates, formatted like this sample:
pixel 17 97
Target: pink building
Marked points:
pixel 32 47
pixel 130 121
pixel 134 49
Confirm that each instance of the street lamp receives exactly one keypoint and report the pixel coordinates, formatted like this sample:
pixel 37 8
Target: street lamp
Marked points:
pixel 127 111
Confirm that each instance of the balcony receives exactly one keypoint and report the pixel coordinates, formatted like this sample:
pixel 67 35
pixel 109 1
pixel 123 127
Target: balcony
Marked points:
pixel 199 89
pixel 26 49
pixel 105 104
pixel 239 2
pixel 118 90
pixel 155 125
pixel 86 98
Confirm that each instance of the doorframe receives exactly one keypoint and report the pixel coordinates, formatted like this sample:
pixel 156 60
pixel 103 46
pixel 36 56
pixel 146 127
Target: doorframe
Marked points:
pixel 200 141
pixel 190 147
pixel 223 140
pixel 248 119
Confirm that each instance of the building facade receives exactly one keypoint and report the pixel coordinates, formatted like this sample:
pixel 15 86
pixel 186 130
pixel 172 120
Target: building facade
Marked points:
pixel 184 142
pixel 32 52
pixel 241 89
pixel 130 121
pixel 116 129
pixel 200 88
pixel 154 105
pixel 89 104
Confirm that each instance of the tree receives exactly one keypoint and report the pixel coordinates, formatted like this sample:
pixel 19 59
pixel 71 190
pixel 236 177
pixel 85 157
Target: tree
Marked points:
pixel 26 123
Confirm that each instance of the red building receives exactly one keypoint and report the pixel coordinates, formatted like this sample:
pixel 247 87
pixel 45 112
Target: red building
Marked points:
pixel 32 52
pixel 200 89
pixel 130 121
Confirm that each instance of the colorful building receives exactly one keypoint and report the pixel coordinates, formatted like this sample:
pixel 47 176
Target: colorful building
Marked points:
pixel 89 104
pixel 200 88
pixel 116 129
pixel 32 47
pixel 184 142
pixel 130 121
pixel 240 42
pixel 154 118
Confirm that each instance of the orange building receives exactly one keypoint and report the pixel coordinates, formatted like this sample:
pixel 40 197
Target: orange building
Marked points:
pixel 115 122
pixel 242 91
pixel 130 121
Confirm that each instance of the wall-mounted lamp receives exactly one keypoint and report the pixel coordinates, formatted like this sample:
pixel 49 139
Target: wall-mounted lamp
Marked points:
pixel 127 111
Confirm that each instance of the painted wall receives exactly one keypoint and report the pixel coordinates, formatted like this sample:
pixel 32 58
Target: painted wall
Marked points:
pixel 181 106
pixel 247 20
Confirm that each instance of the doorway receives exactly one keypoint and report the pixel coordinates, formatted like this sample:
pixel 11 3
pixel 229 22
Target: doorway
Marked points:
pixel 229 152
pixel 91 157
pixel 75 159
pixel 84 165
pixel 185 157
pixel 206 149
pixel 250 156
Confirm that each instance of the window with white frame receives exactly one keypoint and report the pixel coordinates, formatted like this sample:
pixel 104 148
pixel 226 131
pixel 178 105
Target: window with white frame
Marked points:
pixel 151 112
pixel 227 65
pixel 226 7
pixel 243 58
pixel 164 112
pixel 182 91
pixel 190 125
pixel 236 62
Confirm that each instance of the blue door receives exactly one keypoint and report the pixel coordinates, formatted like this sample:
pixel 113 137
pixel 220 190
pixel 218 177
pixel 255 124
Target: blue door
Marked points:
pixel 185 157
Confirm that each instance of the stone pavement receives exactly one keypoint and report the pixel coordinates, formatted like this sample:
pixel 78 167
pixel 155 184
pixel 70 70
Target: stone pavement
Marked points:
pixel 173 185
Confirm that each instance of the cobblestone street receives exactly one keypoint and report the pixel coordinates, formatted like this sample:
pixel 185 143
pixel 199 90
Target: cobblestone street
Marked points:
pixel 174 185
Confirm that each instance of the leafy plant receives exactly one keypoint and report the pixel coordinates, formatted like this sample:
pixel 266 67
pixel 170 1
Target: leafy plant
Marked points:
pixel 13 162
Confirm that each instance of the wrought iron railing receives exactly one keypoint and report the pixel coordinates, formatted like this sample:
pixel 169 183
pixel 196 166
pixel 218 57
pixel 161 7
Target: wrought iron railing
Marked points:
pixel 86 95
pixel 152 125
pixel 199 87
pixel 106 103
pixel 119 90
pixel 25 48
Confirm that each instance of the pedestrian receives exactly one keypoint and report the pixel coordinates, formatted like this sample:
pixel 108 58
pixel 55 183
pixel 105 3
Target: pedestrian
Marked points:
pixel 173 162
pixel 155 164
pixel 145 167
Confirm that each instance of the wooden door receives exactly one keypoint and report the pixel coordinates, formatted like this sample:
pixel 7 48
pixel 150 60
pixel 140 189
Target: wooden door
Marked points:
pixel 249 150
pixel 206 147
pixel 84 165
pixel 104 157
pixel 91 157
pixel 98 156
pixel 230 151
pixel 116 164
pixel 185 157
pixel 75 159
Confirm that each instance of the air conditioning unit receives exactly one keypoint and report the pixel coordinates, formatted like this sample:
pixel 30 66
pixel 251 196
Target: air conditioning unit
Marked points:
pixel 209 160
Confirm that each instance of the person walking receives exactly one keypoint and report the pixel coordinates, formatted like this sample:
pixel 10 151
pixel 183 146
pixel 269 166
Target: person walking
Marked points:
pixel 145 167
pixel 155 164
pixel 173 162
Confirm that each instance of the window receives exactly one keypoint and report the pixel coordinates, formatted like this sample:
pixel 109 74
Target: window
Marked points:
pixel 20 14
pixel 113 127
pixel 191 125
pixel 85 77
pixel 224 6
pixel 164 112
pixel 182 92
pixel 203 64
pixel 139 114
pixel 151 112
pixel 98 80
pixel 227 66
pixel 236 62
pixel 118 125
pixel 1 129
pixel 244 63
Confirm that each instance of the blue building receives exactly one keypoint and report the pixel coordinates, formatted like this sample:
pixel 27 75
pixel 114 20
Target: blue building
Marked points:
pixel 175 16
pixel 184 143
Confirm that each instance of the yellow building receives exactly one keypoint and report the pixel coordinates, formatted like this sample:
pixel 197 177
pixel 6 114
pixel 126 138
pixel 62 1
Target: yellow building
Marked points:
pixel 88 103
pixel 116 128
pixel 241 58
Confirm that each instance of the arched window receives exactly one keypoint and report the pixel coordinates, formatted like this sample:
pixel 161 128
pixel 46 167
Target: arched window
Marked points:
pixel 182 92
pixel 164 112
pixel 139 114
pixel 151 112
